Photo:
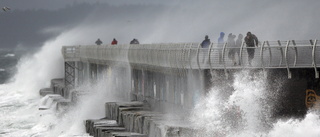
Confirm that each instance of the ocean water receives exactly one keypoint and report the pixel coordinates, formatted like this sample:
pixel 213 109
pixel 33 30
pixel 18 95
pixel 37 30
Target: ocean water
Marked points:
pixel 8 61
pixel 20 117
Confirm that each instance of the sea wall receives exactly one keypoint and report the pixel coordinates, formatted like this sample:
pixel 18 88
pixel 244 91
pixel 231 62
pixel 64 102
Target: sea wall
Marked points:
pixel 134 119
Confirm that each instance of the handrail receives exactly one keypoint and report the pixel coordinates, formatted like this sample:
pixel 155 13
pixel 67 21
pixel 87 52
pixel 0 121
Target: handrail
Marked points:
pixel 270 53
pixel 240 56
pixel 286 58
pixel 198 56
pixel 183 56
pixel 209 55
pixel 281 51
pixel 296 53
pixel 223 59
pixel 314 63
pixel 261 55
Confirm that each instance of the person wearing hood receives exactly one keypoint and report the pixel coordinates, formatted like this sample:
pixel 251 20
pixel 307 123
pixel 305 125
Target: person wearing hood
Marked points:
pixel 134 41
pixel 114 42
pixel 220 46
pixel 205 44
pixel 231 43
pixel 98 42
pixel 251 41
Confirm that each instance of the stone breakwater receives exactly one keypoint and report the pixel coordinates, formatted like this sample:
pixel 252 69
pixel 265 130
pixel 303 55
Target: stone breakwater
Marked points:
pixel 122 119
pixel 133 119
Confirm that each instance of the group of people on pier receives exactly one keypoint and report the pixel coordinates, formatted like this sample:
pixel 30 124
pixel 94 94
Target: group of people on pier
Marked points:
pixel 251 41
pixel 115 42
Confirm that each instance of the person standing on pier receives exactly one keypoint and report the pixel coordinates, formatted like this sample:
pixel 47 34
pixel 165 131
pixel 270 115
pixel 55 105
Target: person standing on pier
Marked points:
pixel 98 42
pixel 134 41
pixel 232 48
pixel 251 41
pixel 114 42
pixel 220 46
pixel 205 44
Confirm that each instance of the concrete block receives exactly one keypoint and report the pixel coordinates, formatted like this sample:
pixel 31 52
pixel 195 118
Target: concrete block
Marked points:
pixel 45 91
pixel 99 131
pixel 124 134
pixel 123 111
pixel 134 120
pixel 91 124
pixel 112 109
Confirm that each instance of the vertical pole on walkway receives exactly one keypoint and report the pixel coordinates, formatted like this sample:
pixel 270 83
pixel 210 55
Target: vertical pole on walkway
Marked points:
pixel 286 58
pixel 281 51
pixel 314 63
pixel 223 60
pixel 270 53
pixel 296 53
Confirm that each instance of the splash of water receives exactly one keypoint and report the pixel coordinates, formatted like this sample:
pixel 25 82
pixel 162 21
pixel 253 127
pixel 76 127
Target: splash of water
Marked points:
pixel 309 126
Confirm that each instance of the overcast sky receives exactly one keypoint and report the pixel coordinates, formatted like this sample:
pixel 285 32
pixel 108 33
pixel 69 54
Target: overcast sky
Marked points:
pixel 57 4
pixel 180 20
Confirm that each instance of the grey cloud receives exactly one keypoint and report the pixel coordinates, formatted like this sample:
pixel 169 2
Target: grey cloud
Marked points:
pixel 176 20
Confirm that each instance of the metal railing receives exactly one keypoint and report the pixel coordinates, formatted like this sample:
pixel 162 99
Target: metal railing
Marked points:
pixel 269 54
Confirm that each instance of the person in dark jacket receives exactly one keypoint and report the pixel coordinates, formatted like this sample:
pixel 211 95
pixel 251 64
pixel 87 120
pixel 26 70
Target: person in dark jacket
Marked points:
pixel 205 44
pixel 114 42
pixel 220 46
pixel 134 41
pixel 251 41
pixel 98 42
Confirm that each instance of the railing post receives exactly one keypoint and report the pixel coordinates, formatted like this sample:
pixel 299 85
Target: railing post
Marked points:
pixel 261 55
pixel 281 51
pixel 224 63
pixel 178 56
pixel 240 56
pixel 270 53
pixel 198 56
pixel 159 54
pixel 169 60
pixel 183 59
pixel 209 56
pixel 314 63
pixel 286 57
pixel 296 53
pixel 190 64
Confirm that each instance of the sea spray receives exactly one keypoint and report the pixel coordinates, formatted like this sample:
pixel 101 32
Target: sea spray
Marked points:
pixel 90 105
pixel 307 127
pixel 237 115
pixel 249 94
pixel 207 114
